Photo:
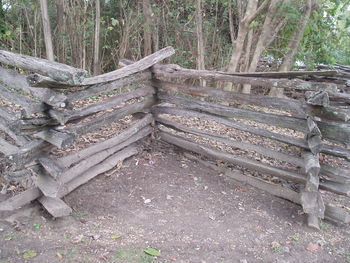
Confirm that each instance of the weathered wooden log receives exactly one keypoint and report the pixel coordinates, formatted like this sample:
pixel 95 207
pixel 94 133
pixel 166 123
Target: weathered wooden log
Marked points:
pixel 20 199
pixel 335 173
pixel 17 81
pixel 250 164
pixel 39 81
pixel 52 167
pixel 160 72
pixel 319 98
pixel 7 148
pixel 332 213
pixel 55 206
pixel 28 153
pixel 64 117
pixel 33 193
pixel 8 129
pixel 312 203
pixel 110 86
pixel 30 107
pixel 339 132
pixel 107 118
pixel 288 105
pixel 327 149
pixel 312 169
pixel 56 138
pixel 47 184
pixel 295 107
pixel 54 70
pixel 138 66
pixel 104 166
pixel 130 132
pixel 86 164
pixel 230 123
pixel 236 144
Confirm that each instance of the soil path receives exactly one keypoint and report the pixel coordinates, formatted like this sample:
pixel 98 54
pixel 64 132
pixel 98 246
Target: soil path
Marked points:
pixel 160 199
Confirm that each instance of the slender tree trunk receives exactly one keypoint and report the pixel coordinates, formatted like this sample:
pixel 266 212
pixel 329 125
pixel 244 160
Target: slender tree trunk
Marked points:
pixel 200 41
pixel 97 67
pixel 60 30
pixel 238 44
pixel 293 45
pixel 47 30
pixel 147 27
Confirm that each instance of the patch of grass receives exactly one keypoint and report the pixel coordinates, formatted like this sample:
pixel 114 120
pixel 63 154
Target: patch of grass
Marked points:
pixel 66 236
pixel 132 255
pixel 37 225
pixel 276 249
pixel 324 225
pixel 80 213
pixel 9 236
pixel 295 237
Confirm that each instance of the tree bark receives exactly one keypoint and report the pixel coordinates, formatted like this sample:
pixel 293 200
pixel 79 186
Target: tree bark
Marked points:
pixel 60 30
pixel 200 41
pixel 97 65
pixel 147 27
pixel 293 45
pixel 47 30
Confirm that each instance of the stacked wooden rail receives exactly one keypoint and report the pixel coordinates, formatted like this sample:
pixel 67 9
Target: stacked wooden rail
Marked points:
pixel 37 117
pixel 322 119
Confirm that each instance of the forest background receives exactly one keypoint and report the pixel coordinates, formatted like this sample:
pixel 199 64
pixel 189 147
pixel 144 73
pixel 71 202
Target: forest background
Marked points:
pixel 227 35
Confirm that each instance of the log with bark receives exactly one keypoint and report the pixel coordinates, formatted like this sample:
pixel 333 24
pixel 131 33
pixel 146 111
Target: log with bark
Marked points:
pixel 338 132
pixel 57 71
pixel 331 213
pixel 250 164
pixel 18 81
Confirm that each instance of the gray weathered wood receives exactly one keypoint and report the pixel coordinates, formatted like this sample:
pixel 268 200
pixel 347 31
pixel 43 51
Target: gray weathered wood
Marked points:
pixel 28 153
pixel 110 86
pixel 332 213
pixel 104 166
pixel 64 117
pixel 339 132
pixel 56 138
pixel 39 81
pixel 319 98
pixel 28 105
pixel 86 164
pixel 52 167
pixel 54 70
pixel 20 199
pixel 130 132
pixel 250 164
pixel 236 144
pixel 289 105
pixel 55 206
pixel 108 118
pixel 18 81
pixel 7 148
pixel 138 66
pixel 335 173
pixel 162 72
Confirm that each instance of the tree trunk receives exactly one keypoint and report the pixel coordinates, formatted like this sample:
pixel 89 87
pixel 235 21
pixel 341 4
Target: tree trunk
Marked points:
pixel 293 45
pixel 238 44
pixel 200 41
pixel 60 31
pixel 147 27
pixel 97 67
pixel 47 30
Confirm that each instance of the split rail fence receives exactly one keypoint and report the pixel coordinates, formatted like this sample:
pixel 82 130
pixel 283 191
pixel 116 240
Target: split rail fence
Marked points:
pixel 303 141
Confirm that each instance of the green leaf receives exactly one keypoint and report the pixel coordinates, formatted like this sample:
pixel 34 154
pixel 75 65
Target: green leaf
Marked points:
pixel 114 21
pixel 152 252
pixel 29 254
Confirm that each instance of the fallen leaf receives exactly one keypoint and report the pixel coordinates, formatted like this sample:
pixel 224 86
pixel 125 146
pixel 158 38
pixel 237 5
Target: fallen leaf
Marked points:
pixel 29 254
pixel 313 247
pixel 59 255
pixel 152 252
pixel 115 237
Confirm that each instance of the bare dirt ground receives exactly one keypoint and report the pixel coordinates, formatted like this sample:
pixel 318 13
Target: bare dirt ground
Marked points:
pixel 161 200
